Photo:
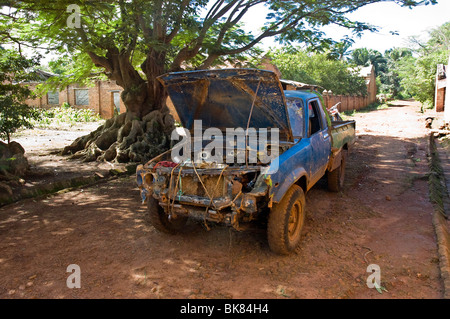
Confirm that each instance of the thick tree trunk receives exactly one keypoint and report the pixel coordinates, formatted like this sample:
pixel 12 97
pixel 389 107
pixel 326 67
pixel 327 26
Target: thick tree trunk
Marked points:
pixel 137 135
pixel 154 66
pixel 136 100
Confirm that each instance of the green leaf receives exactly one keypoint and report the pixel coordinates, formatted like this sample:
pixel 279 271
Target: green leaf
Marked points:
pixel 379 288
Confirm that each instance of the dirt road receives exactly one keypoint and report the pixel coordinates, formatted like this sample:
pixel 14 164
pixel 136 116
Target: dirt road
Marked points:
pixel 382 217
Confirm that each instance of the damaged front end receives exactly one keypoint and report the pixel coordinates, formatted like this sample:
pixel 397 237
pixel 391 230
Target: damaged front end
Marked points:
pixel 207 192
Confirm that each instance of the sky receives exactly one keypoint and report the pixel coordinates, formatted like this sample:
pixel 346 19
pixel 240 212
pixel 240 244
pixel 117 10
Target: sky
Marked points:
pixel 388 16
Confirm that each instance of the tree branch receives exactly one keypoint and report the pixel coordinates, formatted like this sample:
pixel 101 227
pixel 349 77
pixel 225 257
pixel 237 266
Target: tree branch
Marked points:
pixel 213 15
pixel 100 61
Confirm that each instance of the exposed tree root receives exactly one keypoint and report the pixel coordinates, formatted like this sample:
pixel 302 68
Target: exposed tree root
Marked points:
pixel 123 140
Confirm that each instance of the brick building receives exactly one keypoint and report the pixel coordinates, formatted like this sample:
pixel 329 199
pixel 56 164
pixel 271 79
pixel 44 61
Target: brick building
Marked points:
pixel 103 97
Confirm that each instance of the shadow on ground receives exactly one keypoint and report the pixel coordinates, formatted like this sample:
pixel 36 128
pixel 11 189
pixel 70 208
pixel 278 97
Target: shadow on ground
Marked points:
pixel 382 216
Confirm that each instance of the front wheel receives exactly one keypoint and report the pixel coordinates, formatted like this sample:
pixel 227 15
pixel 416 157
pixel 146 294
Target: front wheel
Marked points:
pixel 160 220
pixel 286 220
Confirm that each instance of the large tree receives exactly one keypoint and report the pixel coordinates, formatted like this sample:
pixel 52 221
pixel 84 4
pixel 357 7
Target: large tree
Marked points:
pixel 418 72
pixel 390 77
pixel 134 41
pixel 366 57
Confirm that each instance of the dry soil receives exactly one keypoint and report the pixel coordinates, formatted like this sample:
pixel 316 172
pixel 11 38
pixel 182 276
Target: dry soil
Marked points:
pixel 382 217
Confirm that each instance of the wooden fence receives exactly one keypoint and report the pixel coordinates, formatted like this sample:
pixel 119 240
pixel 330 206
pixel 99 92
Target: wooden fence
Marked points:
pixel 348 103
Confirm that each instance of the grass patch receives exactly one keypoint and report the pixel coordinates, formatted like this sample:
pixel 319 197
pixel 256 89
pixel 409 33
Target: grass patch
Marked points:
pixel 436 182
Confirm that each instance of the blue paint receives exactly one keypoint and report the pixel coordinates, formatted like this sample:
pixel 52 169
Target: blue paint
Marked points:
pixel 310 155
pixel 224 98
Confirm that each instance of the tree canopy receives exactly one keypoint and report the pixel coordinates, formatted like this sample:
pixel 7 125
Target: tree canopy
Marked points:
pixel 135 41
pixel 365 57
pixel 418 72
pixel 318 68
pixel 409 71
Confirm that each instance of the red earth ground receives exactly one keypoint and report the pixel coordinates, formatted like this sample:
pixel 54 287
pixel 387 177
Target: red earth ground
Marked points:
pixel 382 217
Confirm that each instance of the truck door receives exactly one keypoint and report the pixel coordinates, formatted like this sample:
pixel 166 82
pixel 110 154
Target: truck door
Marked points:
pixel 320 139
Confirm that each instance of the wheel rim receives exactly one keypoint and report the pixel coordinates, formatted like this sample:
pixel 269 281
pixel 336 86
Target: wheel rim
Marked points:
pixel 295 221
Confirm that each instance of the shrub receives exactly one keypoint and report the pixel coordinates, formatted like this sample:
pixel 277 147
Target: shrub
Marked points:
pixel 65 115
pixel 14 113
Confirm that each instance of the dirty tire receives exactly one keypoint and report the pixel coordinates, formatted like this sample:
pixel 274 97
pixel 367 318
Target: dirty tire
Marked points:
pixel 336 177
pixel 286 220
pixel 160 220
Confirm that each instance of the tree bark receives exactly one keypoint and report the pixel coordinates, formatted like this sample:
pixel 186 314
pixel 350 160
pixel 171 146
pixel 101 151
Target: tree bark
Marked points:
pixel 144 130
pixel 154 66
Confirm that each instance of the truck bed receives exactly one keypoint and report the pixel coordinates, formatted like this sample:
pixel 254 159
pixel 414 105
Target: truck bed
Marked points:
pixel 342 133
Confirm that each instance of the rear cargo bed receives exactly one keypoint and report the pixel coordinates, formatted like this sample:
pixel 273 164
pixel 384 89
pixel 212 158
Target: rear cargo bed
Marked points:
pixel 342 133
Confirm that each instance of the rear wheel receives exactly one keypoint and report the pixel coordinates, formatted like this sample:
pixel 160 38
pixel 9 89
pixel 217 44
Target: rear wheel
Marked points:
pixel 336 177
pixel 286 220
pixel 160 220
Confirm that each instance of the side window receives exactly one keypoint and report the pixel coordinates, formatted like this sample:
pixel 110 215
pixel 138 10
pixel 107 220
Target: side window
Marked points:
pixel 315 120
pixel 53 98
pixel 81 97
pixel 296 114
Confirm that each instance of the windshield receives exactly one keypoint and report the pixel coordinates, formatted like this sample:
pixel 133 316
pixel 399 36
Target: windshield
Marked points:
pixel 295 111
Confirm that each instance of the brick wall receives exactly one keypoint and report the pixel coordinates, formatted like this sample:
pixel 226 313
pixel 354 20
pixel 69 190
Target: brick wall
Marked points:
pixel 441 87
pixel 440 99
pixel 100 97
pixel 38 102
pixel 447 97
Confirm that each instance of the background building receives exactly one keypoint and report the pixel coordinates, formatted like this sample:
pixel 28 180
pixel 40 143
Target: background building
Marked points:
pixel 103 97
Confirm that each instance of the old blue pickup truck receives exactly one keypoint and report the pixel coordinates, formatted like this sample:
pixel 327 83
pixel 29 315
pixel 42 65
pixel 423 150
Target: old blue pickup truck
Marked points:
pixel 308 144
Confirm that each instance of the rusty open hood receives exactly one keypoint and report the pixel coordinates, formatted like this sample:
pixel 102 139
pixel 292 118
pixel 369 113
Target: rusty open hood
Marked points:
pixel 224 98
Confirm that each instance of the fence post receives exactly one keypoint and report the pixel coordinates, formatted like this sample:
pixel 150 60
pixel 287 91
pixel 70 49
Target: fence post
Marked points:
pixel 326 98
pixel 337 99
